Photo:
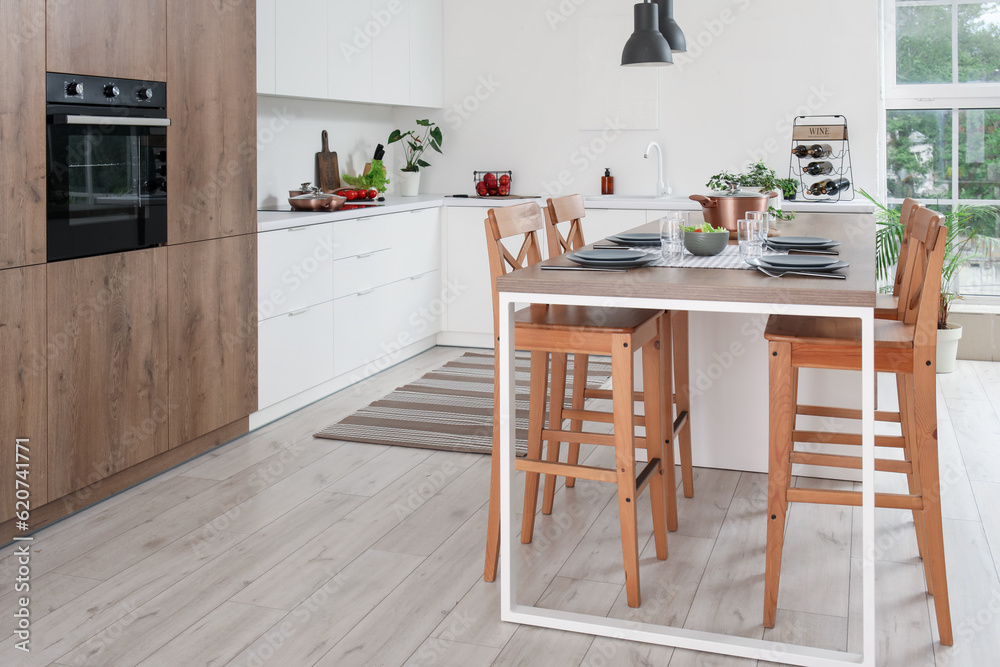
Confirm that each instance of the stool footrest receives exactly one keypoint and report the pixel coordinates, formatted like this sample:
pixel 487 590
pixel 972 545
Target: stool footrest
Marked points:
pixel 843 413
pixel 598 416
pixel 852 462
pixel 643 479
pixel 853 498
pixel 567 470
pixel 835 438
pixel 680 421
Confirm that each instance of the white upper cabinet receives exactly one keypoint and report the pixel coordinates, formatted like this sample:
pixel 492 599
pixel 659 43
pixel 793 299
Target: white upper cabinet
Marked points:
pixel 265 46
pixel 391 51
pixel 301 66
pixel 350 50
pixel 383 51
pixel 426 55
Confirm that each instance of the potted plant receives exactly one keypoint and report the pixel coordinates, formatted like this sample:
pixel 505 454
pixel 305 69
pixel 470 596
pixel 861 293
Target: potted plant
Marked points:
pixel 961 233
pixel 789 186
pixel 415 142
pixel 759 177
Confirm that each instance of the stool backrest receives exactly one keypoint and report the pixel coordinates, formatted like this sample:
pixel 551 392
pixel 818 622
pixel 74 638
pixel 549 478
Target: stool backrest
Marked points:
pixel 920 289
pixel 565 209
pixel 905 213
pixel 501 223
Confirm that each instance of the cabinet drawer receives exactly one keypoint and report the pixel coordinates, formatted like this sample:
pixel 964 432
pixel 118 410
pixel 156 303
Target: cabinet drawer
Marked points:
pixel 416 242
pixel 363 272
pixel 295 269
pixel 295 352
pixel 378 323
pixel 360 236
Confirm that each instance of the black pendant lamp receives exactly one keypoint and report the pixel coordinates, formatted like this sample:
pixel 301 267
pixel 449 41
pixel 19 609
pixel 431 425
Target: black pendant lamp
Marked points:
pixel 668 26
pixel 647 46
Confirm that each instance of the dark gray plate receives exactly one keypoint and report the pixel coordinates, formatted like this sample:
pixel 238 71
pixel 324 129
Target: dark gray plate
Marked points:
pixel 610 255
pixel 836 264
pixel 636 238
pixel 800 241
pixel 811 262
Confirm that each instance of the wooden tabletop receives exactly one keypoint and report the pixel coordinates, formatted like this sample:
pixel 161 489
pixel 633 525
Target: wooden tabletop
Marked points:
pixel 855 230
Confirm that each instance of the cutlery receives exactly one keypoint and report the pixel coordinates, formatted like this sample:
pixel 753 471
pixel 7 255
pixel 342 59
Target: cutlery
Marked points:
pixel 579 268
pixel 814 274
pixel 614 246
pixel 803 251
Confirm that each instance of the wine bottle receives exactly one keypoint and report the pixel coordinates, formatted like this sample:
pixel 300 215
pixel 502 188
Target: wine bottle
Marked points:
pixel 819 151
pixel 800 151
pixel 818 189
pixel 817 168
pixel 836 186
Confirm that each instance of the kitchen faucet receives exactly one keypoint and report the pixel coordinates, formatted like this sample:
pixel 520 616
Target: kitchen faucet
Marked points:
pixel 661 189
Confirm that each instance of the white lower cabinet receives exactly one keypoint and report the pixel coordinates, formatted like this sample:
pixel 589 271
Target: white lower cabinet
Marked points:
pixel 294 269
pixel 295 352
pixel 372 327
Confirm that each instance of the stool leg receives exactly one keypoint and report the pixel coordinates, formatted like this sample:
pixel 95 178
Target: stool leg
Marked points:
pixel 682 394
pixel 557 397
pixel 580 363
pixel 493 521
pixel 666 370
pixel 536 421
pixel 657 445
pixel 925 427
pixel 624 420
pixel 780 421
pixel 904 391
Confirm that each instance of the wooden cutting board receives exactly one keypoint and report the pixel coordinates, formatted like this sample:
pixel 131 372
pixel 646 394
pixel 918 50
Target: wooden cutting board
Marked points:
pixel 327 169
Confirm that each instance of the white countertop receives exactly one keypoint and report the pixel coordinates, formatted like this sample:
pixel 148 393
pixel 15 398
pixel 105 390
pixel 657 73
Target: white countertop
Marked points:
pixel 274 220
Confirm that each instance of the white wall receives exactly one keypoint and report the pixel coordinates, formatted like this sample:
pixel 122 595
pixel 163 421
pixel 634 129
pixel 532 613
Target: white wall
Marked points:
pixel 512 90
pixel 513 79
pixel 289 136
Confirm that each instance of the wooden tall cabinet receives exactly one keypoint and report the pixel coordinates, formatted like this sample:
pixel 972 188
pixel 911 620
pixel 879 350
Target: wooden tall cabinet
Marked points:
pixel 22 381
pixel 107 360
pixel 22 133
pixel 115 38
pixel 212 102
pixel 213 334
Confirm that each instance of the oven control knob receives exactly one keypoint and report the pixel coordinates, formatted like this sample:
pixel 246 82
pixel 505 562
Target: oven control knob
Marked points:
pixel 74 89
pixel 144 94
pixel 111 90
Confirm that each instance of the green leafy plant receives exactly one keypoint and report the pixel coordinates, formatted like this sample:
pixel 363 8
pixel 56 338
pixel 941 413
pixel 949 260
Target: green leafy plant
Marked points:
pixel 758 176
pixel 789 187
pixel 705 228
pixel 373 180
pixel 889 238
pixel 415 142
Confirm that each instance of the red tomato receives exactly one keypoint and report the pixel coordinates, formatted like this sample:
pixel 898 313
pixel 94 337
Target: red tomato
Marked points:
pixel 505 179
pixel 351 195
pixel 372 194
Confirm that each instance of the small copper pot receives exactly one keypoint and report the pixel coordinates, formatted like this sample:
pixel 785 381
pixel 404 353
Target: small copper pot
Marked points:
pixel 316 202
pixel 724 210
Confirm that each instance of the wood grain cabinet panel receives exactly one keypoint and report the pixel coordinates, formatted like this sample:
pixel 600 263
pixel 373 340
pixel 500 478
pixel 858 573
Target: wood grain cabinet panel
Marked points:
pixel 213 334
pixel 22 133
pixel 22 382
pixel 212 103
pixel 107 365
pixel 114 38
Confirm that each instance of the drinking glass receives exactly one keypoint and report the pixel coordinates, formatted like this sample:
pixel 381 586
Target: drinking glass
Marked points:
pixel 762 218
pixel 748 236
pixel 670 235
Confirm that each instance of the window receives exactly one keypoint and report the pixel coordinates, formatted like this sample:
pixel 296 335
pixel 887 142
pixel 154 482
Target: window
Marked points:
pixel 942 120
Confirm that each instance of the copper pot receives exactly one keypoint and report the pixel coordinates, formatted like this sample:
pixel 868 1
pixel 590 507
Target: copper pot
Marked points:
pixel 725 209
pixel 316 202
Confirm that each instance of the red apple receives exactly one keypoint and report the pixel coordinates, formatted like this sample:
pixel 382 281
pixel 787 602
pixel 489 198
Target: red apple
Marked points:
pixel 505 179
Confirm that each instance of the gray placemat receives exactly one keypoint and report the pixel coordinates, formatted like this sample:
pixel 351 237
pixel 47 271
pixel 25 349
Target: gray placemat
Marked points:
pixel 729 258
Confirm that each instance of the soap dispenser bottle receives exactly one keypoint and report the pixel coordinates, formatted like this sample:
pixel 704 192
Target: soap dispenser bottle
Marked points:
pixel 607 183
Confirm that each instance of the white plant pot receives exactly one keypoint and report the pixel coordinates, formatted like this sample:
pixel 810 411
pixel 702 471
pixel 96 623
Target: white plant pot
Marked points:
pixel 409 183
pixel 947 347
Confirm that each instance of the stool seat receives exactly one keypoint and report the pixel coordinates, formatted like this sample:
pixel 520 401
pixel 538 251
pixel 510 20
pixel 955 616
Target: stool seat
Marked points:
pixel 591 318
pixel 836 331
pixel 886 306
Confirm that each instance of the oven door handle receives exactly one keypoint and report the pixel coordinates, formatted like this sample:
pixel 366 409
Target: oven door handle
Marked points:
pixel 60 119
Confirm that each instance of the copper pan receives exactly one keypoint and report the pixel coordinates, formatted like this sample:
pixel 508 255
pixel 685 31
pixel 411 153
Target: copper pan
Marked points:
pixel 724 210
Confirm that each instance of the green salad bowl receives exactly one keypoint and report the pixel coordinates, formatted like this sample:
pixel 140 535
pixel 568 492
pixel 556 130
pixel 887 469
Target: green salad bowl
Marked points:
pixel 705 244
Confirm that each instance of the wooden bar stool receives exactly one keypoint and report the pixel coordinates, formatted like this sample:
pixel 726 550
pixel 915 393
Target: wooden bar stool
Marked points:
pixel 887 305
pixel 906 347
pixel 571 209
pixel 615 332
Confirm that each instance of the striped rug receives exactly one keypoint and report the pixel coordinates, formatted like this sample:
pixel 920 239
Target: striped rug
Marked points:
pixel 449 408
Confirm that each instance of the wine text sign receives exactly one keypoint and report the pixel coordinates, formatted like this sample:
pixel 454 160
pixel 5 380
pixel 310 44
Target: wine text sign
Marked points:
pixel 819 132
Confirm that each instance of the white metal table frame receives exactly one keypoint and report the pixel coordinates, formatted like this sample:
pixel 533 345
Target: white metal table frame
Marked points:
pixel 696 640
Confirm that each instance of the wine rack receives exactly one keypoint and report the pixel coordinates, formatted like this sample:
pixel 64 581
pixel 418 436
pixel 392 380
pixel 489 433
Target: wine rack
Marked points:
pixel 830 162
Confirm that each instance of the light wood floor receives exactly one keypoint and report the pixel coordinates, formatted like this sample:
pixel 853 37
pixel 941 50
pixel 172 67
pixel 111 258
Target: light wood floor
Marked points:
pixel 280 549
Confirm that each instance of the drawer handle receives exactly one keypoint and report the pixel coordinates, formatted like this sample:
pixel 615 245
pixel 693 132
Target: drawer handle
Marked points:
pixel 365 254
pixel 299 311
pixel 367 291
pixel 418 277
pixel 299 229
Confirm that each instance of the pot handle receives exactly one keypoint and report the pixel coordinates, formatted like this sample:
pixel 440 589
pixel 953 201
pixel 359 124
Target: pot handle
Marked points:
pixel 704 201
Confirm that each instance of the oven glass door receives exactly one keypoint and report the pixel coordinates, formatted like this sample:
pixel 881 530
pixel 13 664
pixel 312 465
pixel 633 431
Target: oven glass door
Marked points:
pixel 106 188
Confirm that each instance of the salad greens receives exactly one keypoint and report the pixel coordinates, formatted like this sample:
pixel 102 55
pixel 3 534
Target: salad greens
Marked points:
pixel 704 227
pixel 374 180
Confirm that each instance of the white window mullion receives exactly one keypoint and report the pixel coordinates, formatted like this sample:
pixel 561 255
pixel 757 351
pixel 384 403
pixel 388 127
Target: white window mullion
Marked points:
pixel 954 42
pixel 954 156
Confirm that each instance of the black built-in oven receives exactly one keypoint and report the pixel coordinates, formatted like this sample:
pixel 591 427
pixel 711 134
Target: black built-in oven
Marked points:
pixel 106 165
